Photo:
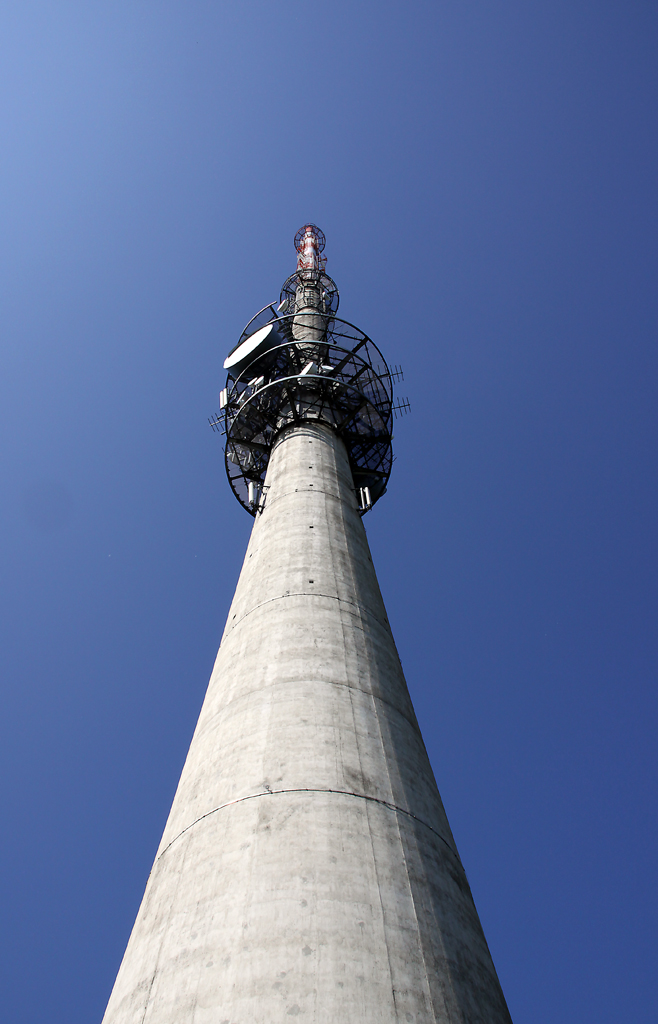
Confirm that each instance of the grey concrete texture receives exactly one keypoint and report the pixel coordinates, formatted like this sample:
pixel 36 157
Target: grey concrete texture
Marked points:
pixel 307 868
pixel 307 325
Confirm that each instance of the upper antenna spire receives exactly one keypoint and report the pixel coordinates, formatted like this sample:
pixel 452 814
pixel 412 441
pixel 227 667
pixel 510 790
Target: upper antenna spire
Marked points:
pixel 309 243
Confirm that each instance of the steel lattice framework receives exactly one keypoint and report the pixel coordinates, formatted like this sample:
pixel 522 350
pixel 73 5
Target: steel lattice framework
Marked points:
pixel 331 372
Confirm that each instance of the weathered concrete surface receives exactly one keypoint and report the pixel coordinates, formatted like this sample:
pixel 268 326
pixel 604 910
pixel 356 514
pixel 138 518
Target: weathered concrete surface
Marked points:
pixel 307 868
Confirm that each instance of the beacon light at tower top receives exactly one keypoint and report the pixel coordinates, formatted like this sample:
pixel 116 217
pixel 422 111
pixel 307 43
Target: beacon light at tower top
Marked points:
pixel 296 362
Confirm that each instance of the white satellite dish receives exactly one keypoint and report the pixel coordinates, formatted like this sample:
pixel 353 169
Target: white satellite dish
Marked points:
pixel 255 345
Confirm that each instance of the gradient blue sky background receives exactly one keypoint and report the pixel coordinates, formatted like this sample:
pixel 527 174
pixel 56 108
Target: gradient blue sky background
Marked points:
pixel 485 173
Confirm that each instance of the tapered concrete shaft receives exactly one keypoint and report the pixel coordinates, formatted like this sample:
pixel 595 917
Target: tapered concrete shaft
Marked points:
pixel 307 868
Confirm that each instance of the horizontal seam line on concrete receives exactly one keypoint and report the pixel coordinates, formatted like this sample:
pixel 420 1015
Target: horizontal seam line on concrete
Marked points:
pixel 301 593
pixel 337 792
pixel 310 490
pixel 325 682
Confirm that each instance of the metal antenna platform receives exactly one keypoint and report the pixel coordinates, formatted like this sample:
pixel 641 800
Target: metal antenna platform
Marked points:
pixel 299 363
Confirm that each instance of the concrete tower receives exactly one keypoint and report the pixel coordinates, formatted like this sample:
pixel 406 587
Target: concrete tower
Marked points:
pixel 307 869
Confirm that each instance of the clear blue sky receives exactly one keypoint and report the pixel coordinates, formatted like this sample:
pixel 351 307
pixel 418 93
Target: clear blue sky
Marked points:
pixel 485 173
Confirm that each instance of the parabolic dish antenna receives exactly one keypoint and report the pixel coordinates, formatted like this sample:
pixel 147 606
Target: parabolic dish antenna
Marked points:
pixel 256 344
